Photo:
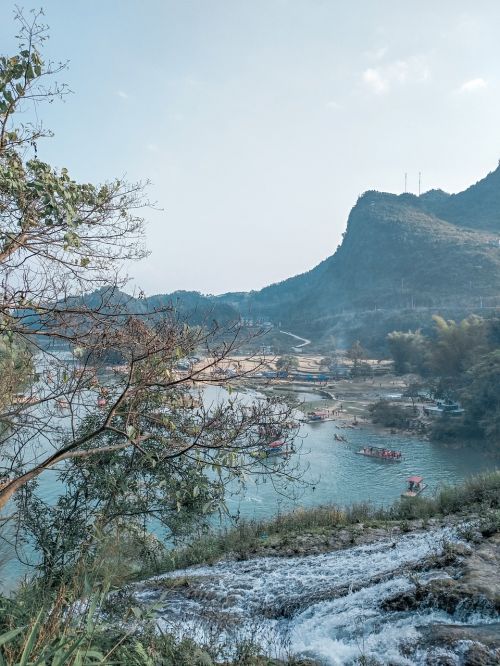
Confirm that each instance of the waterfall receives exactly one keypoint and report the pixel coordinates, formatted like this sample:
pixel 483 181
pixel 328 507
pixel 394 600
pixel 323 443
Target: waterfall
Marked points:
pixel 327 607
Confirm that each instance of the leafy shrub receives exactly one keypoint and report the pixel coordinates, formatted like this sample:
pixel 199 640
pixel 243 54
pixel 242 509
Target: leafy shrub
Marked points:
pixel 391 415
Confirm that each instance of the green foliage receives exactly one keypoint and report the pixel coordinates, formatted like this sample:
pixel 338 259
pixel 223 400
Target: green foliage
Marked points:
pixel 452 350
pixel 457 345
pixel 481 397
pixel 136 446
pixel 408 351
pixel 462 362
pixel 16 74
pixel 176 475
pixel 451 429
pixel 391 415
pixel 16 367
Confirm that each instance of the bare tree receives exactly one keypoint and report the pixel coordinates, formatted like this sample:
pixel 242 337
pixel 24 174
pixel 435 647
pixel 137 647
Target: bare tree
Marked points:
pixel 63 316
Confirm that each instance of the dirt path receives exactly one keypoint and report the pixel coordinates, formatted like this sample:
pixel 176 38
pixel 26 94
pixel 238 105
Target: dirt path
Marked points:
pixel 305 341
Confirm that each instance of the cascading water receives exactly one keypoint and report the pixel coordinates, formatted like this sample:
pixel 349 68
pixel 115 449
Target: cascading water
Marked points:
pixel 328 607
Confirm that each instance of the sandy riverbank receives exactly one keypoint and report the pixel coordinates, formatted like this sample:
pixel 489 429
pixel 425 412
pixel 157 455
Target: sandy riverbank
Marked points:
pixel 348 400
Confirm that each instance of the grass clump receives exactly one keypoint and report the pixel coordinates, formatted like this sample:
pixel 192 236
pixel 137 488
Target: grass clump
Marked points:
pixel 480 493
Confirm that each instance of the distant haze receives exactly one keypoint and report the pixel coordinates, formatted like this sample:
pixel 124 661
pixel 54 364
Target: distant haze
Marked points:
pixel 259 122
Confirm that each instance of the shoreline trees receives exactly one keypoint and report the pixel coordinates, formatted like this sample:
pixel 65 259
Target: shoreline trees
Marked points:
pixel 460 362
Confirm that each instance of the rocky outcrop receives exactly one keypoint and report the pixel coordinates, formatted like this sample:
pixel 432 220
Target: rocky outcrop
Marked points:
pixel 472 584
pixel 475 585
pixel 484 649
pixel 326 540
pixel 482 570
pixel 447 594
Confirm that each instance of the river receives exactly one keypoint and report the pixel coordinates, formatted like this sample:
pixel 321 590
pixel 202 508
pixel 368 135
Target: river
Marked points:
pixel 332 472
pixel 335 473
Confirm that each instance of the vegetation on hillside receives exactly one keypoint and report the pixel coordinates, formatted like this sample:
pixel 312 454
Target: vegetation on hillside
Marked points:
pixel 402 257
pixel 460 361
pixel 397 254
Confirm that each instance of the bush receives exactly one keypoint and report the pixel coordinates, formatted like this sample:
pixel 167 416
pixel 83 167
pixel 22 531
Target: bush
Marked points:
pixel 449 429
pixel 391 415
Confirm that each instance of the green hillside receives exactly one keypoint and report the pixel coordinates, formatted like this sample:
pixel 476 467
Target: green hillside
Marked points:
pixel 478 207
pixel 398 254
pixel 402 259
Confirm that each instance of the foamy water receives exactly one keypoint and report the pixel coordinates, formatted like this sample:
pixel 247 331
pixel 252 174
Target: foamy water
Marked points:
pixel 323 606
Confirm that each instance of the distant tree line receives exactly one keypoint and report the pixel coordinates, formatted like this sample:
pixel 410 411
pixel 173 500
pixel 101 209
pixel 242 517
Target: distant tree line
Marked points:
pixel 460 362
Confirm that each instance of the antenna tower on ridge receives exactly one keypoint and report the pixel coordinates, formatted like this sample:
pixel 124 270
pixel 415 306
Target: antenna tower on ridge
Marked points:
pixel 406 182
pixel 419 182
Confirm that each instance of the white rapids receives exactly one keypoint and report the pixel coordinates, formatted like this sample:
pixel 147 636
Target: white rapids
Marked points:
pixel 326 607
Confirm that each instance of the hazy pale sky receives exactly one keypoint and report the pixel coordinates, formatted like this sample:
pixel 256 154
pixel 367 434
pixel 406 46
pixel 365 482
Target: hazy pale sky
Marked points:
pixel 259 122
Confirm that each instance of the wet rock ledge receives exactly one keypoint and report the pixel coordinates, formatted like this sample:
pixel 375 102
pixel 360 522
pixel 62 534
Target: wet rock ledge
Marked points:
pixel 473 584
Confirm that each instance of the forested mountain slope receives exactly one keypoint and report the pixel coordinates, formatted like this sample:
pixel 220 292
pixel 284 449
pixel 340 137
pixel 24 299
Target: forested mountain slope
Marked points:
pixel 400 253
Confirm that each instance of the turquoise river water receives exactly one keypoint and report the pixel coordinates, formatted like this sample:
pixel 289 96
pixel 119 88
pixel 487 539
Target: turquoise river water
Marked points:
pixel 332 472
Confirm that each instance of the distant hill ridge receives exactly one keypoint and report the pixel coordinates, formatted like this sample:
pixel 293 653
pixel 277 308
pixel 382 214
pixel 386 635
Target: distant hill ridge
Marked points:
pixel 399 252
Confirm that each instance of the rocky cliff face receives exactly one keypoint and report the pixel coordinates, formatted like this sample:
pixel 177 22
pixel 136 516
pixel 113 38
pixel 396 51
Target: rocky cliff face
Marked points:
pixel 400 251
pixel 471 589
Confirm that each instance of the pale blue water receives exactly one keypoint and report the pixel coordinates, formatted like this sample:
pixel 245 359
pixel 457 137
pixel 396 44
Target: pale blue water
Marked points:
pixel 340 476
pixel 332 470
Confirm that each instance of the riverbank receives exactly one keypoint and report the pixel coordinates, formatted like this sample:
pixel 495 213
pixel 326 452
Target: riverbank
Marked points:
pixel 350 399
pixel 323 528
pixel 350 402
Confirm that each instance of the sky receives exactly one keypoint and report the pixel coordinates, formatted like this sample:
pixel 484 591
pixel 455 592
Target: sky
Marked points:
pixel 260 122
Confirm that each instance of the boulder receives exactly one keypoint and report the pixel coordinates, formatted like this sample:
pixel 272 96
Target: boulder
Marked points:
pixel 476 588
pixel 487 635
pixel 481 570
pixel 483 639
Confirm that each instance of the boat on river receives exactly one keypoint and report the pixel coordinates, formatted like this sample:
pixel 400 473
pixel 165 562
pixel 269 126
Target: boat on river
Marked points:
pixel 380 453
pixel 317 416
pixel 416 486
pixel 276 448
